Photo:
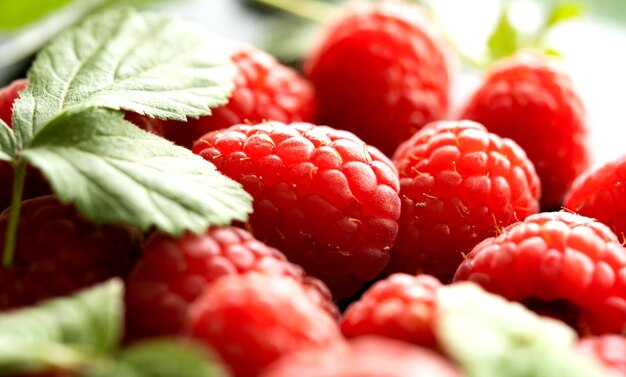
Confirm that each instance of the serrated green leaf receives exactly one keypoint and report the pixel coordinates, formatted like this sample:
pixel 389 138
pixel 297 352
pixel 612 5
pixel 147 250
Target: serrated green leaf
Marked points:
pixel 504 38
pixel 162 358
pixel 115 172
pixel 489 336
pixel 144 62
pixel 62 332
pixel 564 11
pixel 8 144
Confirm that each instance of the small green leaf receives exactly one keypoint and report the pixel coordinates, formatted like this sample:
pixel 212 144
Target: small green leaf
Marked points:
pixel 162 358
pixel 63 332
pixel 115 172
pixel 147 63
pixel 489 336
pixel 8 144
pixel 18 13
pixel 504 38
pixel 564 11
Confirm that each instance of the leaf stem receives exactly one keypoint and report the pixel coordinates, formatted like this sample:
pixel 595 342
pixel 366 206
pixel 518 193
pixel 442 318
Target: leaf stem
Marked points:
pixel 313 10
pixel 14 216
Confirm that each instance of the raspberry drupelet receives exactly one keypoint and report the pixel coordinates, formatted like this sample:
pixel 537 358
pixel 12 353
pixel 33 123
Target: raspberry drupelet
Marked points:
pixel 459 184
pixel 559 264
pixel 323 197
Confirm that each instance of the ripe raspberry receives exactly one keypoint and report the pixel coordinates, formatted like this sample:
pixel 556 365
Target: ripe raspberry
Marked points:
pixel 609 349
pixel 530 100
pixel 264 90
pixel 559 264
pixel 365 356
pixel 321 196
pixel 458 185
pixel 380 71
pixel 8 95
pixel 253 319
pixel 58 252
pixel 172 273
pixel 401 307
pixel 600 193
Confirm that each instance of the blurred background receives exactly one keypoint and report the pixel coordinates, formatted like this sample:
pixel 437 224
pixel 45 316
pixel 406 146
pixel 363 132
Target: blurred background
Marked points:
pixel 590 36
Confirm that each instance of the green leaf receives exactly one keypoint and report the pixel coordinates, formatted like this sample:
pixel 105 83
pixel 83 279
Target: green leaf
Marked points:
pixel 564 11
pixel 162 358
pixel 504 38
pixel 147 63
pixel 63 332
pixel 115 172
pixel 18 13
pixel 489 336
pixel 8 144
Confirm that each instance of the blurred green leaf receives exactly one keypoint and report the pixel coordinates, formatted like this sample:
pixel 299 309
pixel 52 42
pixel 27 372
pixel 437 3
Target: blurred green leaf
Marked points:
pixel 15 14
pixel 161 358
pixel 490 336
pixel 63 332
pixel 504 39
pixel 564 11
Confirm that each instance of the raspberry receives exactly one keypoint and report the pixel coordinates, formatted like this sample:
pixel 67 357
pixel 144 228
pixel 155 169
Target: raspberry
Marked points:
pixel 380 71
pixel 600 193
pixel 609 349
pixel 530 100
pixel 172 273
pixel 58 252
pixel 264 90
pixel 458 185
pixel 321 196
pixel 253 319
pixel 401 307
pixel 8 95
pixel 365 356
pixel 559 264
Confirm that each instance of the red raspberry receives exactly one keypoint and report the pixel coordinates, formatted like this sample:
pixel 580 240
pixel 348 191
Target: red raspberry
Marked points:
pixel 380 71
pixel 264 90
pixel 530 100
pixel 8 95
pixel 172 273
pixel 458 185
pixel 601 193
pixel 401 307
pixel 321 196
pixel 58 252
pixel 365 356
pixel 559 264
pixel 609 349
pixel 253 319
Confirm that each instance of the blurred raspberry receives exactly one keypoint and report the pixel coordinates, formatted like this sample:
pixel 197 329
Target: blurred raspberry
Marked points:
pixel 252 319
pixel 381 71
